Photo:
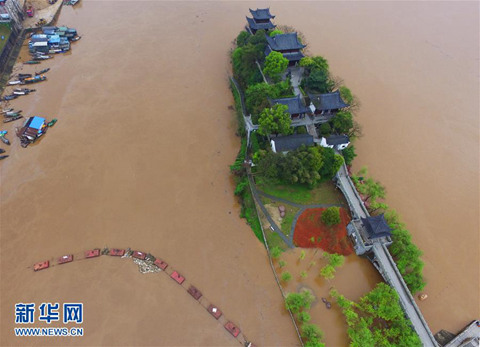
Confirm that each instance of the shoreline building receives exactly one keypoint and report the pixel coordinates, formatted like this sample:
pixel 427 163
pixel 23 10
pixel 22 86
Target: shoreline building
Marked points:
pixel 261 20
pixel 287 44
pixel 327 104
pixel 339 142
pixel 284 144
pixel 295 105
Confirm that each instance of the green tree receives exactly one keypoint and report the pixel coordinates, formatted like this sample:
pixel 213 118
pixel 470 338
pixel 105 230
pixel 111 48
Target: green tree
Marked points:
pixel 275 65
pixel 349 154
pixel 286 276
pixel 275 32
pixel 242 38
pixel 327 272
pixel 342 123
pixel 318 82
pixel 304 317
pixel 297 302
pixel 301 166
pixel 312 334
pixel 275 120
pixel 244 65
pixel 259 40
pixel 257 96
pixel 276 252
pixel 325 129
pixel 315 63
pixel 331 216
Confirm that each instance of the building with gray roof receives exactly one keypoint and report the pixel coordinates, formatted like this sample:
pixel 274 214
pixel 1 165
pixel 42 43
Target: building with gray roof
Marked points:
pixel 291 142
pixel 287 44
pixel 327 103
pixel 295 105
pixel 261 20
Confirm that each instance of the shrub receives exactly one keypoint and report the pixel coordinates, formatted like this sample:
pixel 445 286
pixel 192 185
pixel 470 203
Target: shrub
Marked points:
pixel 331 216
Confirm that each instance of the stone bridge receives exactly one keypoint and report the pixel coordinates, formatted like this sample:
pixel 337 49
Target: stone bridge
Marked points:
pixel 379 255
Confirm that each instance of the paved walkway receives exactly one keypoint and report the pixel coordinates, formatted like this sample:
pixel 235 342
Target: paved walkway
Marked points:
pixel 387 267
pixel 294 204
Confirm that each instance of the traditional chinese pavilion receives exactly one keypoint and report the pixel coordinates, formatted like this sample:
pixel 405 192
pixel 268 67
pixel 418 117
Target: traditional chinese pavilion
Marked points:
pixel 288 45
pixel 261 20
pixel 327 103
pixel 295 105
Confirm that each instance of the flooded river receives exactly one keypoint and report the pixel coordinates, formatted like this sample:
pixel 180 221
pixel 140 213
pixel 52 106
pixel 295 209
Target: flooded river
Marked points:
pixel 139 158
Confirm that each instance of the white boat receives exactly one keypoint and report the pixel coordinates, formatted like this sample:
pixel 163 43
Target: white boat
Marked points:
pixel 11 83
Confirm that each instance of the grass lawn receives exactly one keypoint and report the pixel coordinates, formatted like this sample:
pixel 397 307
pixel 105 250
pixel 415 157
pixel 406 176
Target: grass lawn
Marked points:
pixel 274 240
pixel 4 31
pixel 325 193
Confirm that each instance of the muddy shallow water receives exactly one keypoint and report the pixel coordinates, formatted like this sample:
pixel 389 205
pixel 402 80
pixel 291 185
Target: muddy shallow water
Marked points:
pixel 140 158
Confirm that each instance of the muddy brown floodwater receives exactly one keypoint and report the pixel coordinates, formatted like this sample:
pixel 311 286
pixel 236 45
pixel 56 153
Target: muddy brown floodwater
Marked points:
pixel 140 155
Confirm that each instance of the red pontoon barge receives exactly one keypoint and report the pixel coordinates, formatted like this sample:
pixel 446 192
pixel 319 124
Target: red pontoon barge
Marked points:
pixel 92 253
pixel 232 329
pixel 177 277
pixel 139 255
pixel 214 311
pixel 194 292
pixel 40 266
pixel 65 259
pixel 117 252
pixel 161 264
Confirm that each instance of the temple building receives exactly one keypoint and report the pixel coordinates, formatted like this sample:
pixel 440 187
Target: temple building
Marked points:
pixel 288 45
pixel 327 103
pixel 295 105
pixel 364 231
pixel 284 144
pixel 339 142
pixel 261 20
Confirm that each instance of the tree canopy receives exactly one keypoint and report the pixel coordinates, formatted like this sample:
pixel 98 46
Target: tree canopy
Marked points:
pixel 318 82
pixel 275 65
pixel 377 319
pixel 275 32
pixel 257 95
pixel 297 302
pixel 315 63
pixel 331 216
pixel 275 120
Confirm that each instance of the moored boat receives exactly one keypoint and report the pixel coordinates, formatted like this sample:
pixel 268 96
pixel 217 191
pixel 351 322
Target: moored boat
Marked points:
pixel 65 259
pixel 24 75
pixel 3 157
pixel 11 119
pixel 76 38
pixel 11 83
pixel 2 150
pixel 11 114
pixel 42 71
pixel 9 97
pixel 92 253
pixel 42 265
pixel 52 122
pixel 7 110
pixel 5 140
pixel 35 79
pixel 42 57
pixel 31 62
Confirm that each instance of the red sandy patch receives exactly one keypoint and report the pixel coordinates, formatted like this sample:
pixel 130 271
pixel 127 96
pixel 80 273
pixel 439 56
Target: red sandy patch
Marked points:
pixel 332 239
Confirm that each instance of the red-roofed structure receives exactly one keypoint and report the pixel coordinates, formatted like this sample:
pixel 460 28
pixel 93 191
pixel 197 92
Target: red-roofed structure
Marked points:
pixel 177 277
pixel 214 311
pixel 92 253
pixel 42 265
pixel 139 255
pixel 194 292
pixel 117 252
pixel 65 259
pixel 161 264
pixel 232 329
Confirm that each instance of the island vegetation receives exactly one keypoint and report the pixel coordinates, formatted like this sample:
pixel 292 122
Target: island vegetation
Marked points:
pixel 377 319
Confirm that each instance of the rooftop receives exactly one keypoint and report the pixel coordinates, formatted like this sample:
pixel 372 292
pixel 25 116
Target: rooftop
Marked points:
pixel 294 104
pixel 329 101
pixel 260 26
pixel 292 142
pixel 337 139
pixel 376 227
pixel 283 42
pixel 261 13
